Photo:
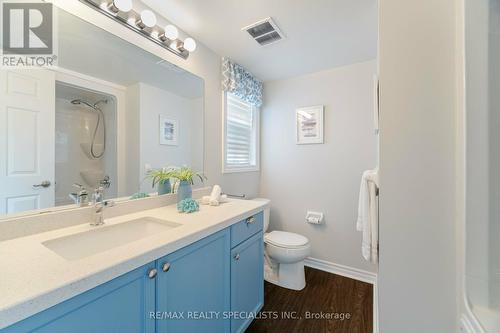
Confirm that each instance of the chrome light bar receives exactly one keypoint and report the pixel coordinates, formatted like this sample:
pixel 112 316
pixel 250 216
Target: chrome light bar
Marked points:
pixel 144 24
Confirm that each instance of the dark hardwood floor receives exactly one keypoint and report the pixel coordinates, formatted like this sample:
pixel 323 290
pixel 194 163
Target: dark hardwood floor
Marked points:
pixel 348 302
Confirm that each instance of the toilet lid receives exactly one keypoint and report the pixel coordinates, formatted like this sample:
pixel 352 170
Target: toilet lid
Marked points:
pixel 286 239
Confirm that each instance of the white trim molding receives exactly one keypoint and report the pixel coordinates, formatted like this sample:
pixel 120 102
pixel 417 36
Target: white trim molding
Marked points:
pixel 352 273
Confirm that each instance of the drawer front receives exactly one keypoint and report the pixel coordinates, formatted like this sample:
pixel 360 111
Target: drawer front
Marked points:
pixel 245 229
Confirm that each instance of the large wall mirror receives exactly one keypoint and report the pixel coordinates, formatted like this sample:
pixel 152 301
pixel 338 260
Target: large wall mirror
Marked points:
pixel 109 113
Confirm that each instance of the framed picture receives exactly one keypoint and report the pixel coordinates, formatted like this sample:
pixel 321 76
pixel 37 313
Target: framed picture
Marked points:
pixel 169 131
pixel 309 125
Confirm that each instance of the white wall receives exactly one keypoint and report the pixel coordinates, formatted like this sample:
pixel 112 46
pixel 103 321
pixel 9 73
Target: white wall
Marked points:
pixel 204 63
pixel 417 273
pixel 478 181
pixel 494 153
pixel 323 177
pixel 151 102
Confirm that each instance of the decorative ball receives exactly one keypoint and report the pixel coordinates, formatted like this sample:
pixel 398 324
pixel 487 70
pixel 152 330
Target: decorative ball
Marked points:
pixel 139 195
pixel 188 206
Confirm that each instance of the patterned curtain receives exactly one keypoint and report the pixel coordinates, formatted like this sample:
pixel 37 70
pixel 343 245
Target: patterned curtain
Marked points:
pixel 238 81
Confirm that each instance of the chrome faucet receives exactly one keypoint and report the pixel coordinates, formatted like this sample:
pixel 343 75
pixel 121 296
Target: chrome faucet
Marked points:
pixel 82 197
pixel 100 204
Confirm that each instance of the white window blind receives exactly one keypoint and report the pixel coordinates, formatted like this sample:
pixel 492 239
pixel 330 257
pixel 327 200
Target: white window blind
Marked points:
pixel 240 135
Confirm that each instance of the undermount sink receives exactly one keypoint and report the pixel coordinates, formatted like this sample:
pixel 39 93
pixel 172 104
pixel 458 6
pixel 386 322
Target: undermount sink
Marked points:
pixel 104 238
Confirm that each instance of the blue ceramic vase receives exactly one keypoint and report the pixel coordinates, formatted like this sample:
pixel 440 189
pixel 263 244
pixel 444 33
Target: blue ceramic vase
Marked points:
pixel 164 187
pixel 184 191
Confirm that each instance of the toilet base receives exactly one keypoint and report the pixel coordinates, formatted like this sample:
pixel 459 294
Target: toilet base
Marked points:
pixel 290 276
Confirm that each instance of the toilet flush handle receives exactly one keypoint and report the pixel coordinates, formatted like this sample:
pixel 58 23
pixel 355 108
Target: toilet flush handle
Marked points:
pixel 237 256
pixel 250 220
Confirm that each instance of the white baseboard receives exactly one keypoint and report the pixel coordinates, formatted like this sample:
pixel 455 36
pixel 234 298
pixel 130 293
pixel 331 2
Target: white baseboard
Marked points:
pixel 353 273
pixel 350 272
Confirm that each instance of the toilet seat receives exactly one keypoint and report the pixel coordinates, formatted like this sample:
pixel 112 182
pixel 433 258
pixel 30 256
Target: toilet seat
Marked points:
pixel 285 239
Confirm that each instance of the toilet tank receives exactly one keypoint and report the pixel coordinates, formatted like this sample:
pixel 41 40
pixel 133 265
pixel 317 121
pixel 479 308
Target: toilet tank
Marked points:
pixel 267 211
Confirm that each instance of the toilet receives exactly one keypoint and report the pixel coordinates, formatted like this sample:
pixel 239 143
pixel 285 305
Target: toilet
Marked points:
pixel 284 256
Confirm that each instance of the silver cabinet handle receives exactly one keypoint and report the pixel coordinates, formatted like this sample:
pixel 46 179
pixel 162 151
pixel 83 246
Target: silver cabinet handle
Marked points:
pixel 165 267
pixel 250 220
pixel 237 256
pixel 44 184
pixel 152 273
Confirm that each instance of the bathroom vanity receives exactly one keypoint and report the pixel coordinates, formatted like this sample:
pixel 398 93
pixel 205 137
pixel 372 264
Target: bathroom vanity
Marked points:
pixel 200 272
pixel 99 122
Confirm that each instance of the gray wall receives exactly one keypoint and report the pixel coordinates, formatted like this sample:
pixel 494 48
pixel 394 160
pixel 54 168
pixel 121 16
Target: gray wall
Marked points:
pixel 417 273
pixel 322 177
pixel 189 115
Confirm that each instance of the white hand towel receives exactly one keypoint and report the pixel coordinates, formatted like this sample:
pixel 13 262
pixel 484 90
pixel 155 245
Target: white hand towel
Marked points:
pixel 368 215
pixel 216 193
pixel 206 199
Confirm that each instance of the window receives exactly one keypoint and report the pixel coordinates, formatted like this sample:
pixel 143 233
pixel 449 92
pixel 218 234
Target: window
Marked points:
pixel 241 135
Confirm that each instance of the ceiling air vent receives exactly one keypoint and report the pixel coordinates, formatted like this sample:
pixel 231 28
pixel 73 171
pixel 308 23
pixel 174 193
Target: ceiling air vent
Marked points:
pixel 265 32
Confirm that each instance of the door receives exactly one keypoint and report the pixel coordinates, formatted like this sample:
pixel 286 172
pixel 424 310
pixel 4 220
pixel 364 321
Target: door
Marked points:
pixel 192 288
pixel 247 281
pixel 27 130
pixel 125 304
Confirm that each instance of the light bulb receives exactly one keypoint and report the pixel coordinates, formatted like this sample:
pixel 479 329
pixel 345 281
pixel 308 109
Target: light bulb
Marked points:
pixel 121 5
pixel 189 44
pixel 148 19
pixel 174 45
pixel 171 32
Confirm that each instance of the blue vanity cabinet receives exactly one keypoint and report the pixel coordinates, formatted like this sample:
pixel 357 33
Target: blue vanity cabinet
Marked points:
pixel 197 289
pixel 120 305
pixel 193 287
pixel 247 281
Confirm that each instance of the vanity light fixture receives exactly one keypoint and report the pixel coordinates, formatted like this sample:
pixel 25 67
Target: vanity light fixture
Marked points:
pixel 120 6
pixel 171 33
pixel 175 45
pixel 147 20
pixel 145 24
pixel 189 44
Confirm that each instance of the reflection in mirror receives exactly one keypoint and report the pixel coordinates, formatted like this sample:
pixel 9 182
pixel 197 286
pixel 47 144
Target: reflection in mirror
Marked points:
pixel 104 118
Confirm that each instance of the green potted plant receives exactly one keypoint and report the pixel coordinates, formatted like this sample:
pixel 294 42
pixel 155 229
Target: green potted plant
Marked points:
pixel 185 178
pixel 161 178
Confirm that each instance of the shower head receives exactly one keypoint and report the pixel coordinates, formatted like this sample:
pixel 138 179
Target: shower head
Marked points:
pixel 79 102
pixel 94 106
pixel 105 101
pixel 100 120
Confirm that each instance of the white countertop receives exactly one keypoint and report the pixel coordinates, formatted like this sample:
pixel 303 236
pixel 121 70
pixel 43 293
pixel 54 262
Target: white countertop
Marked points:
pixel 33 278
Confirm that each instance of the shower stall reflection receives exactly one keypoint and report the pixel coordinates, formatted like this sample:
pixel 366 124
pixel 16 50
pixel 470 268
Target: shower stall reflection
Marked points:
pixel 84 146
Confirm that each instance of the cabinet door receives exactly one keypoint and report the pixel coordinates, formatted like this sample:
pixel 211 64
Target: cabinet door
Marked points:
pixel 121 305
pixel 193 287
pixel 247 281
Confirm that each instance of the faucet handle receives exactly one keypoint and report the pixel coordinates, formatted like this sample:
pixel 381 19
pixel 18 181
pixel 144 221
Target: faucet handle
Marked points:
pixel 98 196
pixel 109 203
